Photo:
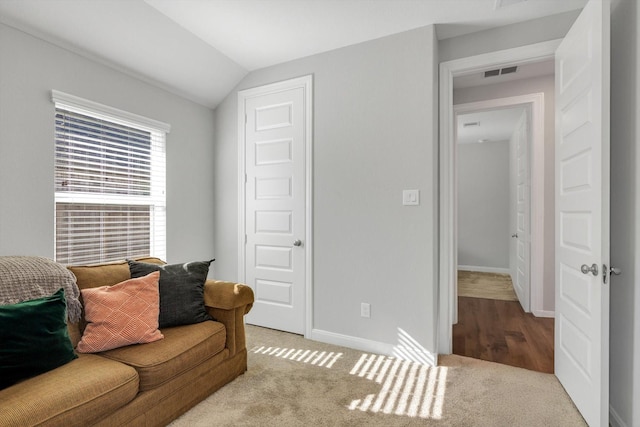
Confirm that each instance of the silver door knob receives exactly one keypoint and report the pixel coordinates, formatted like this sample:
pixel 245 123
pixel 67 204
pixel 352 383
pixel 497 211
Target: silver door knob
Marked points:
pixel 613 271
pixel 297 243
pixel 586 269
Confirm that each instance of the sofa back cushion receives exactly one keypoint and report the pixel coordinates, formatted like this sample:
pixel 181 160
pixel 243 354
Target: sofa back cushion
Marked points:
pixel 75 333
pixel 92 276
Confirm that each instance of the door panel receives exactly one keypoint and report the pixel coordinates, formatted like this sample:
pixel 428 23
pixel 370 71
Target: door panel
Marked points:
pixel 523 228
pixel 275 215
pixel 582 212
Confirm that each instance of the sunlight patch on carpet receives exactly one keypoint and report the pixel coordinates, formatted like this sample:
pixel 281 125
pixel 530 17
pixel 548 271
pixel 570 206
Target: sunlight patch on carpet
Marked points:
pixel 407 388
pixel 318 358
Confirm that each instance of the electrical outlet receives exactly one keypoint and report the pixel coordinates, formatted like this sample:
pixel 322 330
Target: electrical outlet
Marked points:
pixel 365 309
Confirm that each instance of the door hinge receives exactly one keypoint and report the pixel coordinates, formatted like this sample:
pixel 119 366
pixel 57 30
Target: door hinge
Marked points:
pixel 245 178
pixel 245 239
pixel 245 119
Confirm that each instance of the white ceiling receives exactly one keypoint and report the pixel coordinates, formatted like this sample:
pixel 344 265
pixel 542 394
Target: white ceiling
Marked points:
pixel 260 33
pixel 201 49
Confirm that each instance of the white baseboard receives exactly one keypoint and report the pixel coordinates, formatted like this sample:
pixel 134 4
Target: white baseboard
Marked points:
pixel 544 313
pixel 399 351
pixel 484 269
pixel 614 418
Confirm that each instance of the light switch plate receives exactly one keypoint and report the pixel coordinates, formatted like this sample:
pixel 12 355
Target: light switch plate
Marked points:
pixel 410 197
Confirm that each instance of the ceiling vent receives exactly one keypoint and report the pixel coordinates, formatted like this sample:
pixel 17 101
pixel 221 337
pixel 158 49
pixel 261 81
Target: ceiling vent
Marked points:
pixel 501 71
pixel 470 124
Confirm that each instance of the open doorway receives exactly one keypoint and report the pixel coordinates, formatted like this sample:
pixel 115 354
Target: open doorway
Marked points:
pixel 493 329
pixel 494 140
pixel 493 203
pixel 464 67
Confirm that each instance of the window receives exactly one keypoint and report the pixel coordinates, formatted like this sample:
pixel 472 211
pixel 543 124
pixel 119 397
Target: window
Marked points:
pixel 109 183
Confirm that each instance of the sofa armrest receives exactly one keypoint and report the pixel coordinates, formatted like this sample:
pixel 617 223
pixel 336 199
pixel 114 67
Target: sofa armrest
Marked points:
pixel 228 302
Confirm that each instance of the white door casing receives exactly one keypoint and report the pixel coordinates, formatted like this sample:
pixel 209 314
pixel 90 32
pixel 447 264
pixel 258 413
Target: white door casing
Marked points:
pixel 521 281
pixel 582 212
pixel 274 231
pixel 448 234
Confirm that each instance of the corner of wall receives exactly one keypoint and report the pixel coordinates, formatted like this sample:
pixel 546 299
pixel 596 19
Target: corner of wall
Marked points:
pixel 406 347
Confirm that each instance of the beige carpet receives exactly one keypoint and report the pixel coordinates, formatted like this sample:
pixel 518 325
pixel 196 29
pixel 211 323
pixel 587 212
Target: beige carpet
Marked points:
pixel 486 285
pixel 296 382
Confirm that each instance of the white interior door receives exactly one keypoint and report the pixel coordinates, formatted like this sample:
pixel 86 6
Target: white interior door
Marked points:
pixel 582 213
pixel 275 252
pixel 523 230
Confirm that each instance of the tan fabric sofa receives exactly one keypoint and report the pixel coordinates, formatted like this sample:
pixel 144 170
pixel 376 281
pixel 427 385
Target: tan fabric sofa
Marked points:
pixel 139 385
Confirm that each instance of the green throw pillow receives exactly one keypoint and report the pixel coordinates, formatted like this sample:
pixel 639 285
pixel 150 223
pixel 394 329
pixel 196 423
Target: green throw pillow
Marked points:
pixel 33 338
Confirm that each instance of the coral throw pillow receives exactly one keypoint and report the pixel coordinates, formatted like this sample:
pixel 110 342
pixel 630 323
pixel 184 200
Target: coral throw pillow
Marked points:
pixel 122 314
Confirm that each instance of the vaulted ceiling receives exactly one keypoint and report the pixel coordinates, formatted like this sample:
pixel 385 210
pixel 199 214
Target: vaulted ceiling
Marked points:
pixel 201 49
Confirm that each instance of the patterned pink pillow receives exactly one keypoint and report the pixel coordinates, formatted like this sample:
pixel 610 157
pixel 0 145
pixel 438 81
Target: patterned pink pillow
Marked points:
pixel 122 314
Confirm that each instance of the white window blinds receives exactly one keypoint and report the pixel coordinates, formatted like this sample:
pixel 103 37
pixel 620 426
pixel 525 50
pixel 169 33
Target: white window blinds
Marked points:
pixel 109 183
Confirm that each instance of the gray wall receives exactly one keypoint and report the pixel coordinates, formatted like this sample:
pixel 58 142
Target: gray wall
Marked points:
pixel 506 37
pixel 625 210
pixel 29 69
pixel 375 134
pixel 483 205
pixel 544 84
pixel 389 82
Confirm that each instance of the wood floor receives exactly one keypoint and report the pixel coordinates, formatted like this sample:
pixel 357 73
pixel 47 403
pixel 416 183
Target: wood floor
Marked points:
pixel 500 331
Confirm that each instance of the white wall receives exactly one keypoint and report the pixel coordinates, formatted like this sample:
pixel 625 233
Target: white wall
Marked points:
pixel 483 205
pixel 625 210
pixel 29 69
pixel 375 134
pixel 544 84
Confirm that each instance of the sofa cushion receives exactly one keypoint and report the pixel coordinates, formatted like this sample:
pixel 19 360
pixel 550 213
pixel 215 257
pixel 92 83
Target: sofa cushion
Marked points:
pixel 33 338
pixel 91 276
pixel 76 394
pixel 182 348
pixel 181 290
pixel 123 314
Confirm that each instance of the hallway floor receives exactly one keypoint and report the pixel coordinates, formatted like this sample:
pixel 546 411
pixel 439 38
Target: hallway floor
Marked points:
pixel 500 331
